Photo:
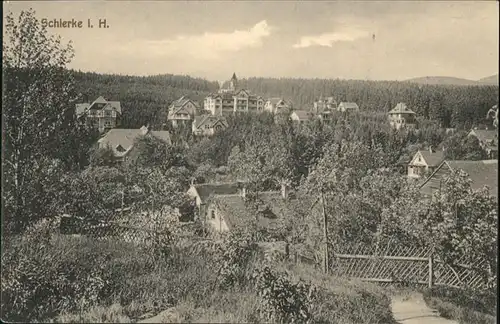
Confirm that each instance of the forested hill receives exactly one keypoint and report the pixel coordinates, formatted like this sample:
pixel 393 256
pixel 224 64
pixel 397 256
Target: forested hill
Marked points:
pixel 143 99
pixel 450 104
pixel 146 99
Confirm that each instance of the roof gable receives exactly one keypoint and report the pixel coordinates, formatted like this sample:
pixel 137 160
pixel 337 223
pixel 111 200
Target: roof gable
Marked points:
pixel 122 140
pixel 302 114
pixel 485 135
pixel 205 190
pixel 482 173
pixel 431 159
pixel 401 108
pixel 348 105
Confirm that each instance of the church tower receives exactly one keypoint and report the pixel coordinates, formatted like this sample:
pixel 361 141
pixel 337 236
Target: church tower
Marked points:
pixel 233 83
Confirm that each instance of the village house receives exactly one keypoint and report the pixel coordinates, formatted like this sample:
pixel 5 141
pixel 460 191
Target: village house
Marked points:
pixel 226 212
pixel 347 107
pixel 424 162
pixel 482 173
pixel 324 105
pixel 277 105
pixel 208 125
pixel 182 111
pixel 121 141
pixel 100 114
pixel 301 116
pixel 488 140
pixel 230 100
pixel 203 191
pixel 402 117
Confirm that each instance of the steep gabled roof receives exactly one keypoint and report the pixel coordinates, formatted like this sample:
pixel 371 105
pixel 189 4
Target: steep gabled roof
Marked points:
pixel 348 105
pixel 482 173
pixel 84 107
pixel 238 213
pixel 81 108
pixel 432 159
pixel 122 140
pixel 302 114
pixel 485 135
pixel 206 190
pixel 274 101
pixel 209 120
pixel 401 108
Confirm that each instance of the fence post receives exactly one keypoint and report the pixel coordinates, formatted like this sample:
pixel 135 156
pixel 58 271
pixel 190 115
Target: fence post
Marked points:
pixel 431 270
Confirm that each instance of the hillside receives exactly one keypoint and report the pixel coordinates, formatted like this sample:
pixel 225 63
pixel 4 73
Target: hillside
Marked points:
pixel 442 80
pixel 146 99
pixel 143 99
pixel 492 80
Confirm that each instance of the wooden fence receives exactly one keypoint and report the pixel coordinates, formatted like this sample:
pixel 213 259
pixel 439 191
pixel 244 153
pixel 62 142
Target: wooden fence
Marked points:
pixel 74 226
pixel 410 265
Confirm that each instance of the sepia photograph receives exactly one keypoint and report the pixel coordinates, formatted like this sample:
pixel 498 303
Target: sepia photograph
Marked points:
pixel 250 162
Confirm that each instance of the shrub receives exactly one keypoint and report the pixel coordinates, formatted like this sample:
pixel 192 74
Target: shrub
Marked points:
pixel 282 301
pixel 464 306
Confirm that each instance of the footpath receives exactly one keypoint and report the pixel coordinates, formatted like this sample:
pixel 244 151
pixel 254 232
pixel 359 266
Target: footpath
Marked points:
pixel 413 310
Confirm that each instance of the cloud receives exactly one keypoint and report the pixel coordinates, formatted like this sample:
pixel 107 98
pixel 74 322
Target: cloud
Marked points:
pixel 209 46
pixel 328 39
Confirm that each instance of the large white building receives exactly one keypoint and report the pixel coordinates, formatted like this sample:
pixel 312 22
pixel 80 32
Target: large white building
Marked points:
pixel 229 99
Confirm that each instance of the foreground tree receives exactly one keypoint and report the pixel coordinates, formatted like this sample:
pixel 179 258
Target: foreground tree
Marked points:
pixel 38 98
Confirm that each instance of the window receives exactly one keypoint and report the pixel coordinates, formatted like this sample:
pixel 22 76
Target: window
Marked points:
pixel 212 214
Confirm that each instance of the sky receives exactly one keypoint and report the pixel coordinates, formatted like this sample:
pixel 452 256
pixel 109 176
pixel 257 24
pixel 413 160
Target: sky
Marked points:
pixel 316 39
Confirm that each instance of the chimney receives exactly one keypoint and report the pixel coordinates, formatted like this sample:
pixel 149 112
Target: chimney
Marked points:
pixel 243 192
pixel 431 150
pixel 284 190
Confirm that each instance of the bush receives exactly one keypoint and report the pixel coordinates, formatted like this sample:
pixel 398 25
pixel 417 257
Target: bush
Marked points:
pixel 464 306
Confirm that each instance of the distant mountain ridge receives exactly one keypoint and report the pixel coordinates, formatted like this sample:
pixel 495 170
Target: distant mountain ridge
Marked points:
pixel 442 80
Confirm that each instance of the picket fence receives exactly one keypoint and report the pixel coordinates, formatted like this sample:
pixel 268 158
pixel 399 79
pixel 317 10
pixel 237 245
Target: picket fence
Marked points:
pixel 407 265
pixel 393 264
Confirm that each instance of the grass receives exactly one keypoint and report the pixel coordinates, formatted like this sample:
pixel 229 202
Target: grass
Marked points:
pixel 83 280
pixel 464 306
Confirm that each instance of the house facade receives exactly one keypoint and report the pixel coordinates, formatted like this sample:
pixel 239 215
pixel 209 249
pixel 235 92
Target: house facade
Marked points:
pixel 101 114
pixel 208 125
pixel 482 173
pixel 347 106
pixel 121 141
pixel 182 111
pixel 324 105
pixel 230 211
pixel 402 117
pixel 229 100
pixel 488 140
pixel 277 105
pixel 424 162
pixel 201 193
pixel 301 116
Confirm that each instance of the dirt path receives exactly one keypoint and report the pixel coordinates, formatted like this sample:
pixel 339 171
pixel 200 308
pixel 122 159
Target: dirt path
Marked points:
pixel 413 310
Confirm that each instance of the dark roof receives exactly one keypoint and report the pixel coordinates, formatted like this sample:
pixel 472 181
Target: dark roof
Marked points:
pixel 401 108
pixel 432 159
pixel 238 213
pixel 124 138
pixel 205 190
pixel 482 173
pixel 485 136
pixel 83 107
pixel 302 114
pixel 209 120
pixel 179 104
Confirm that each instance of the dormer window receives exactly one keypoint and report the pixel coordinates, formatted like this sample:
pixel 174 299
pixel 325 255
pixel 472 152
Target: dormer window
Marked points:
pixel 120 149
